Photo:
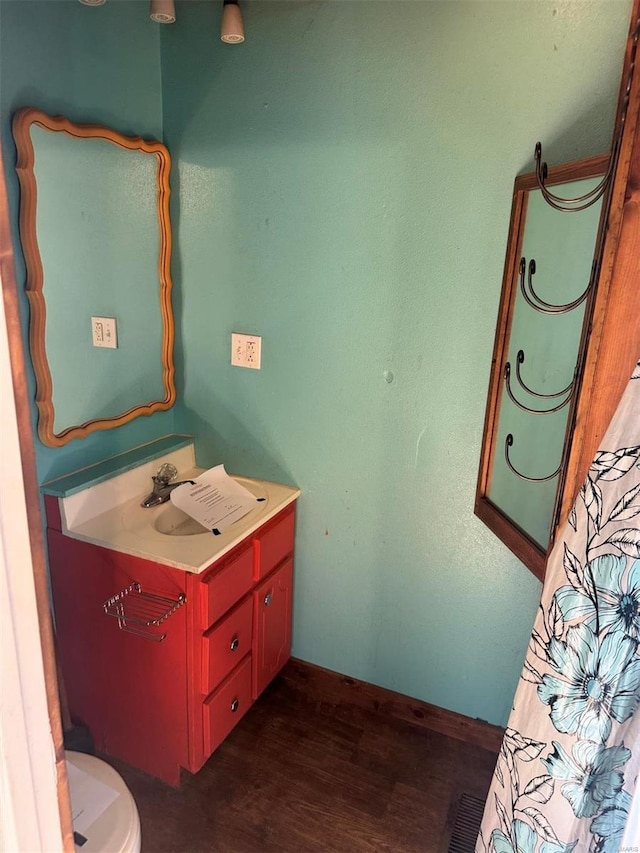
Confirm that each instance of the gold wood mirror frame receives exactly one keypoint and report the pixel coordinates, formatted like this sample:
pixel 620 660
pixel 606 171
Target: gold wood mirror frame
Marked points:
pixel 24 122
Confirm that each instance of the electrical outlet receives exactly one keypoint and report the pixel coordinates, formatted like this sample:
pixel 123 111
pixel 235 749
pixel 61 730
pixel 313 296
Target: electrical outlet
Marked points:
pixel 104 332
pixel 246 350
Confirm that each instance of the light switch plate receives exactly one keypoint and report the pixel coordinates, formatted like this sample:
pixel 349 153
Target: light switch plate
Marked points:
pixel 104 332
pixel 246 350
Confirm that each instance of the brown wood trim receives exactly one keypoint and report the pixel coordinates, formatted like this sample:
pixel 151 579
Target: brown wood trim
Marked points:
pixel 610 357
pixel 32 498
pixel 22 123
pixel 500 344
pixel 575 170
pixel 324 685
pixel 525 549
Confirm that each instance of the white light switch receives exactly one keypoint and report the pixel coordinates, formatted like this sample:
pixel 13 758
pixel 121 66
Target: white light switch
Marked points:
pixel 104 332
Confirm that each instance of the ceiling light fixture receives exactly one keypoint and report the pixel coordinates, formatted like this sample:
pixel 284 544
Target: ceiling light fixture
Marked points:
pixel 162 11
pixel 93 2
pixel 231 29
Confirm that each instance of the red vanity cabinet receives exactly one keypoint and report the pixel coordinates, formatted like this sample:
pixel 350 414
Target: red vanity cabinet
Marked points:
pixel 163 705
pixel 131 692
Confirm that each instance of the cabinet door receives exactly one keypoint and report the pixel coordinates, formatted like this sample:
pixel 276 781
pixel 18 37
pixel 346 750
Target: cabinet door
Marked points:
pixel 272 626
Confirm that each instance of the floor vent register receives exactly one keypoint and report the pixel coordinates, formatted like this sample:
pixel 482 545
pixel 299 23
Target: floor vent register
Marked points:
pixel 466 825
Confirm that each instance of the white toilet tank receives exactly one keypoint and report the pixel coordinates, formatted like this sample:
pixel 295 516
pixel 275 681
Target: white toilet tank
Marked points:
pixel 105 817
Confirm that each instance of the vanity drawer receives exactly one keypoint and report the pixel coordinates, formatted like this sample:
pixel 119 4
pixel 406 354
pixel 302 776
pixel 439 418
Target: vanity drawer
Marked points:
pixel 224 646
pixel 272 546
pixel 227 706
pixel 224 586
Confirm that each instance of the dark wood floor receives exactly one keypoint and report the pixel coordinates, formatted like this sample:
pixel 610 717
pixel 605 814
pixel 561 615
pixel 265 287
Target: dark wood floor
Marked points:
pixel 303 775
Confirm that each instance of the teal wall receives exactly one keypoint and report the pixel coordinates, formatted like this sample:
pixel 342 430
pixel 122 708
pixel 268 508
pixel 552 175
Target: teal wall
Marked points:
pixel 342 187
pixel 345 184
pixel 91 65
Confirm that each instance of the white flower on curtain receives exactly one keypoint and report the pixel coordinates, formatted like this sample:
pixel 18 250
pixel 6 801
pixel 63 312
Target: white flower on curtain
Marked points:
pixel 598 680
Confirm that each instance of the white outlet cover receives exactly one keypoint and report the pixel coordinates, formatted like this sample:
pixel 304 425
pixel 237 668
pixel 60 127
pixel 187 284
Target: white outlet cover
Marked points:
pixel 246 350
pixel 104 332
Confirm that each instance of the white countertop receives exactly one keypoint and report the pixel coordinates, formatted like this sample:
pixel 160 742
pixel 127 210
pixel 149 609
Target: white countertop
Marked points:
pixel 131 529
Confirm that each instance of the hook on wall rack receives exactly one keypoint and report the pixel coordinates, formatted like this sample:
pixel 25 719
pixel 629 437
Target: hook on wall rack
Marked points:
pixel 572 205
pixel 521 382
pixel 537 302
pixel 581 202
pixel 508 442
pixel 528 409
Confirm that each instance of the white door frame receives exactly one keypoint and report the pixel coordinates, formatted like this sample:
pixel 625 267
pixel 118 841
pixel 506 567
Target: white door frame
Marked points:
pixel 28 780
pixel 34 797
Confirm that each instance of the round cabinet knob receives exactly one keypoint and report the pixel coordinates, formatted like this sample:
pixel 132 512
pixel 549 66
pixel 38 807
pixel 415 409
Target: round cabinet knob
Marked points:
pixel 234 644
pixel 234 706
pixel 267 599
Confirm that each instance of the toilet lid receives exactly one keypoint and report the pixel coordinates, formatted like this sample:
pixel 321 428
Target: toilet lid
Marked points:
pixel 117 828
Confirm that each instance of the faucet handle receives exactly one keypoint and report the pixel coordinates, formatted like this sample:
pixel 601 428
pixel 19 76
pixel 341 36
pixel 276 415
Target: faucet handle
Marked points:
pixel 166 473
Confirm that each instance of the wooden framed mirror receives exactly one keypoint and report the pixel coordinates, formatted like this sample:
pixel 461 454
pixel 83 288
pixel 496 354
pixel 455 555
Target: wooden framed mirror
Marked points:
pixel 96 237
pixel 549 281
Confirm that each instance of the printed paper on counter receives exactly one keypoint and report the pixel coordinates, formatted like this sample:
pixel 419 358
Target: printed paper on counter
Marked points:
pixel 214 499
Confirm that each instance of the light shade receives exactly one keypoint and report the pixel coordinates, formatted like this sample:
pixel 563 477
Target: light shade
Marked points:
pixel 93 2
pixel 162 11
pixel 231 29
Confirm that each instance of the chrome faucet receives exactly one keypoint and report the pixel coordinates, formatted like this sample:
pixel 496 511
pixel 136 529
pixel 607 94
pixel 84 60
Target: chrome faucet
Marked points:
pixel 162 485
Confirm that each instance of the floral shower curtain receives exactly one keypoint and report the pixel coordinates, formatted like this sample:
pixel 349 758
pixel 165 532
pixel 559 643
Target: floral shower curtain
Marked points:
pixel 570 758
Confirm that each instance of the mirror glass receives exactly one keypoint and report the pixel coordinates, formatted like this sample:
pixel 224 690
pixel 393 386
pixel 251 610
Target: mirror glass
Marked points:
pixel 548 281
pixel 96 239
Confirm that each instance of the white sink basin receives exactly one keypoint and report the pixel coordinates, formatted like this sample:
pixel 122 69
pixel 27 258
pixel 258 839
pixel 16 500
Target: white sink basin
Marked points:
pixel 172 521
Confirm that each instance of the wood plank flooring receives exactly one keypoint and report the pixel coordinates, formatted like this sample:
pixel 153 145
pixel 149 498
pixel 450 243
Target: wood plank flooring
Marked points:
pixel 302 775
